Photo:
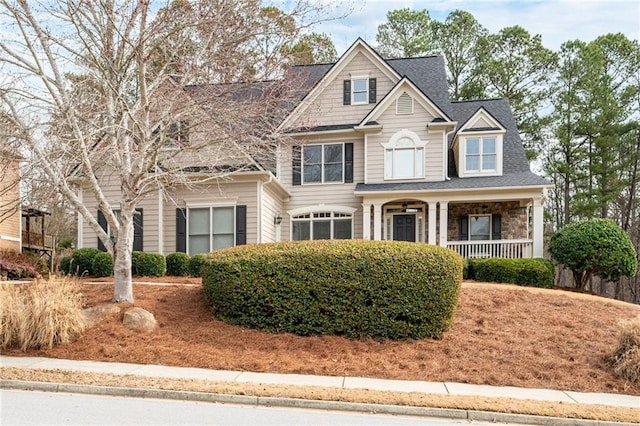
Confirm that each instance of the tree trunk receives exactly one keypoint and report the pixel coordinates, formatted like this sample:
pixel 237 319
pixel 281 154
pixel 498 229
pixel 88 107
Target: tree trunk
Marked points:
pixel 122 249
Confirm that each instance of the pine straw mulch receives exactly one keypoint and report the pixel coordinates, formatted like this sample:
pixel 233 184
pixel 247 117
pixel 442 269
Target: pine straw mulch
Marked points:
pixel 503 335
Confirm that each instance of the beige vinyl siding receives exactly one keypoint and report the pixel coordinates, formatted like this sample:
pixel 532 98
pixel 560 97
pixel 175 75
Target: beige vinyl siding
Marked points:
pixel 393 123
pixel 10 214
pixel 328 107
pixel 111 191
pixel 334 194
pixel 272 206
pixel 224 193
pixel 481 122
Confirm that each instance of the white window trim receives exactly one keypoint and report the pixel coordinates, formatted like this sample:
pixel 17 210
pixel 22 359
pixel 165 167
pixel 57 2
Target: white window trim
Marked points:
pixel 321 208
pixel 322 182
pixel 463 155
pixel 490 216
pixel 391 145
pixel 364 77
pixel 210 207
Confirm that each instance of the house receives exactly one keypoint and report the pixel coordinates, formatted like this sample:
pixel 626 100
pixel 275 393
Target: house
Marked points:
pixel 379 153
pixel 10 217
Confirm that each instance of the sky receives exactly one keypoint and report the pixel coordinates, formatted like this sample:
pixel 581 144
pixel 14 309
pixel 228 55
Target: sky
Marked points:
pixel 556 20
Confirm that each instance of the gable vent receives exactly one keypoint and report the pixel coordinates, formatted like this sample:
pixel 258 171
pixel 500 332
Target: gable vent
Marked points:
pixel 404 104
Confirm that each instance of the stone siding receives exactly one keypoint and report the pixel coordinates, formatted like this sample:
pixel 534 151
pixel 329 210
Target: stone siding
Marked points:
pixel 514 218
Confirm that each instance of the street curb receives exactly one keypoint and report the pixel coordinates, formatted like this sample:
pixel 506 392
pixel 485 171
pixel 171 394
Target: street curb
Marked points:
pixel 486 416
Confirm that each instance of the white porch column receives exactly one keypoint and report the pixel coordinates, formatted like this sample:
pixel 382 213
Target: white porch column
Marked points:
pixel 444 222
pixel 538 227
pixel 366 221
pixel 433 209
pixel 377 222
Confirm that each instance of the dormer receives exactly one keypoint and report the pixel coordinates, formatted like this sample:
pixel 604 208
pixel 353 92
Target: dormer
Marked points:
pixel 478 146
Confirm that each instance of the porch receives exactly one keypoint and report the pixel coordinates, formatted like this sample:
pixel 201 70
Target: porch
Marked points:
pixel 500 227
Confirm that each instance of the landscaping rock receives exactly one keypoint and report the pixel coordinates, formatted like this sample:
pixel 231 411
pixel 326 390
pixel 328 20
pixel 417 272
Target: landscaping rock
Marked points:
pixel 139 319
pixel 97 314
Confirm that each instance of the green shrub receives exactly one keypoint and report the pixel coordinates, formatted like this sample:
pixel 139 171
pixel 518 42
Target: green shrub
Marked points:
pixel 527 272
pixel 354 288
pixel 102 265
pixel 82 261
pixel 594 247
pixel 195 264
pixel 148 264
pixel 65 265
pixel 178 264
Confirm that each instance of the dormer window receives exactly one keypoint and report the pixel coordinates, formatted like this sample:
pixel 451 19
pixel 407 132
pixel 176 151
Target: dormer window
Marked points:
pixel 359 90
pixel 481 155
pixel 404 156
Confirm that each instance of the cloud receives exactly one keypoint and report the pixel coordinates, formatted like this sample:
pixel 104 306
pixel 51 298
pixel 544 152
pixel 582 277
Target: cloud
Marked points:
pixel 556 20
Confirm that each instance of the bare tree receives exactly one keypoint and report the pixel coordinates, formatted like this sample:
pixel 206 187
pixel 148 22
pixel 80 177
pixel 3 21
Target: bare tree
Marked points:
pixel 103 90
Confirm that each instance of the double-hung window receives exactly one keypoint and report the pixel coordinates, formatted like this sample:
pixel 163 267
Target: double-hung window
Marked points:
pixel 481 154
pixel 323 163
pixel 210 228
pixel 359 90
pixel 404 156
pixel 327 225
pixel 137 228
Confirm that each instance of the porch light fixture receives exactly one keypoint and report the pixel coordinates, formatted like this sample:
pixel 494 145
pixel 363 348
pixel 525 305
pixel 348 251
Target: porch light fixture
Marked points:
pixel 277 220
pixel 404 207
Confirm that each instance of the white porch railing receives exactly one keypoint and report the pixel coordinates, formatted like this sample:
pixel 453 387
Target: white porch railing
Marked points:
pixel 511 249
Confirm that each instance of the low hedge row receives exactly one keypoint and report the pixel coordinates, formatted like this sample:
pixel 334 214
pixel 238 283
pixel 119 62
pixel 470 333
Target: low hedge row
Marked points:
pixel 353 288
pixel 526 272
pixel 89 261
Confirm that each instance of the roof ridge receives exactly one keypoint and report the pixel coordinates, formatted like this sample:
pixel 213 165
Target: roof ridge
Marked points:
pixel 414 57
pixel 478 100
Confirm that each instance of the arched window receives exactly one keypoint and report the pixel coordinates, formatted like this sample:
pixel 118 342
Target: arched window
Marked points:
pixel 322 223
pixel 404 156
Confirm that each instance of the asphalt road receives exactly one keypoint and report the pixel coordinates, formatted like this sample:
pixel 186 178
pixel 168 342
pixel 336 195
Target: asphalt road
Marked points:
pixel 19 407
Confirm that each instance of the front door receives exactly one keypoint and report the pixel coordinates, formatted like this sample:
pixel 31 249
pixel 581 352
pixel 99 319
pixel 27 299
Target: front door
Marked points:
pixel 404 227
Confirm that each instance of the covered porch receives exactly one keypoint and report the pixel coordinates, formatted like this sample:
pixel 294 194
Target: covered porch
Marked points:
pixel 480 224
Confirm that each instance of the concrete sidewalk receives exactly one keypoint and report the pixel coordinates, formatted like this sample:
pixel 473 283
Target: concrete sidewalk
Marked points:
pixel 443 388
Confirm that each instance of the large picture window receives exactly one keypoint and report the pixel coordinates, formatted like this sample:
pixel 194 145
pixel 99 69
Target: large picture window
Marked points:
pixel 480 227
pixel 481 154
pixel 323 163
pixel 404 156
pixel 210 228
pixel 322 226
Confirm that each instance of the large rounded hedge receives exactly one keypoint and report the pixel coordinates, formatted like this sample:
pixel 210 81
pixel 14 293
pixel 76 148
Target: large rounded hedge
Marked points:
pixel 354 288
pixel 594 247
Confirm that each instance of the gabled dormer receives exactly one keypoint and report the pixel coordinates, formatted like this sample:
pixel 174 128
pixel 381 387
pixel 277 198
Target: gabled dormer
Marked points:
pixel 405 136
pixel 478 146
pixel 347 92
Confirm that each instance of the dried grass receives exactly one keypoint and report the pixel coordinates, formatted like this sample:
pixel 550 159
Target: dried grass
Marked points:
pixel 626 359
pixel 41 314
pixel 503 335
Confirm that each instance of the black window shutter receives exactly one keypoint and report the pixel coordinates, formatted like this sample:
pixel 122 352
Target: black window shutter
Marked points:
pixel 297 165
pixel 346 92
pixel 181 230
pixel 348 162
pixel 372 90
pixel 137 230
pixel 102 221
pixel 496 227
pixel 241 225
pixel 464 227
